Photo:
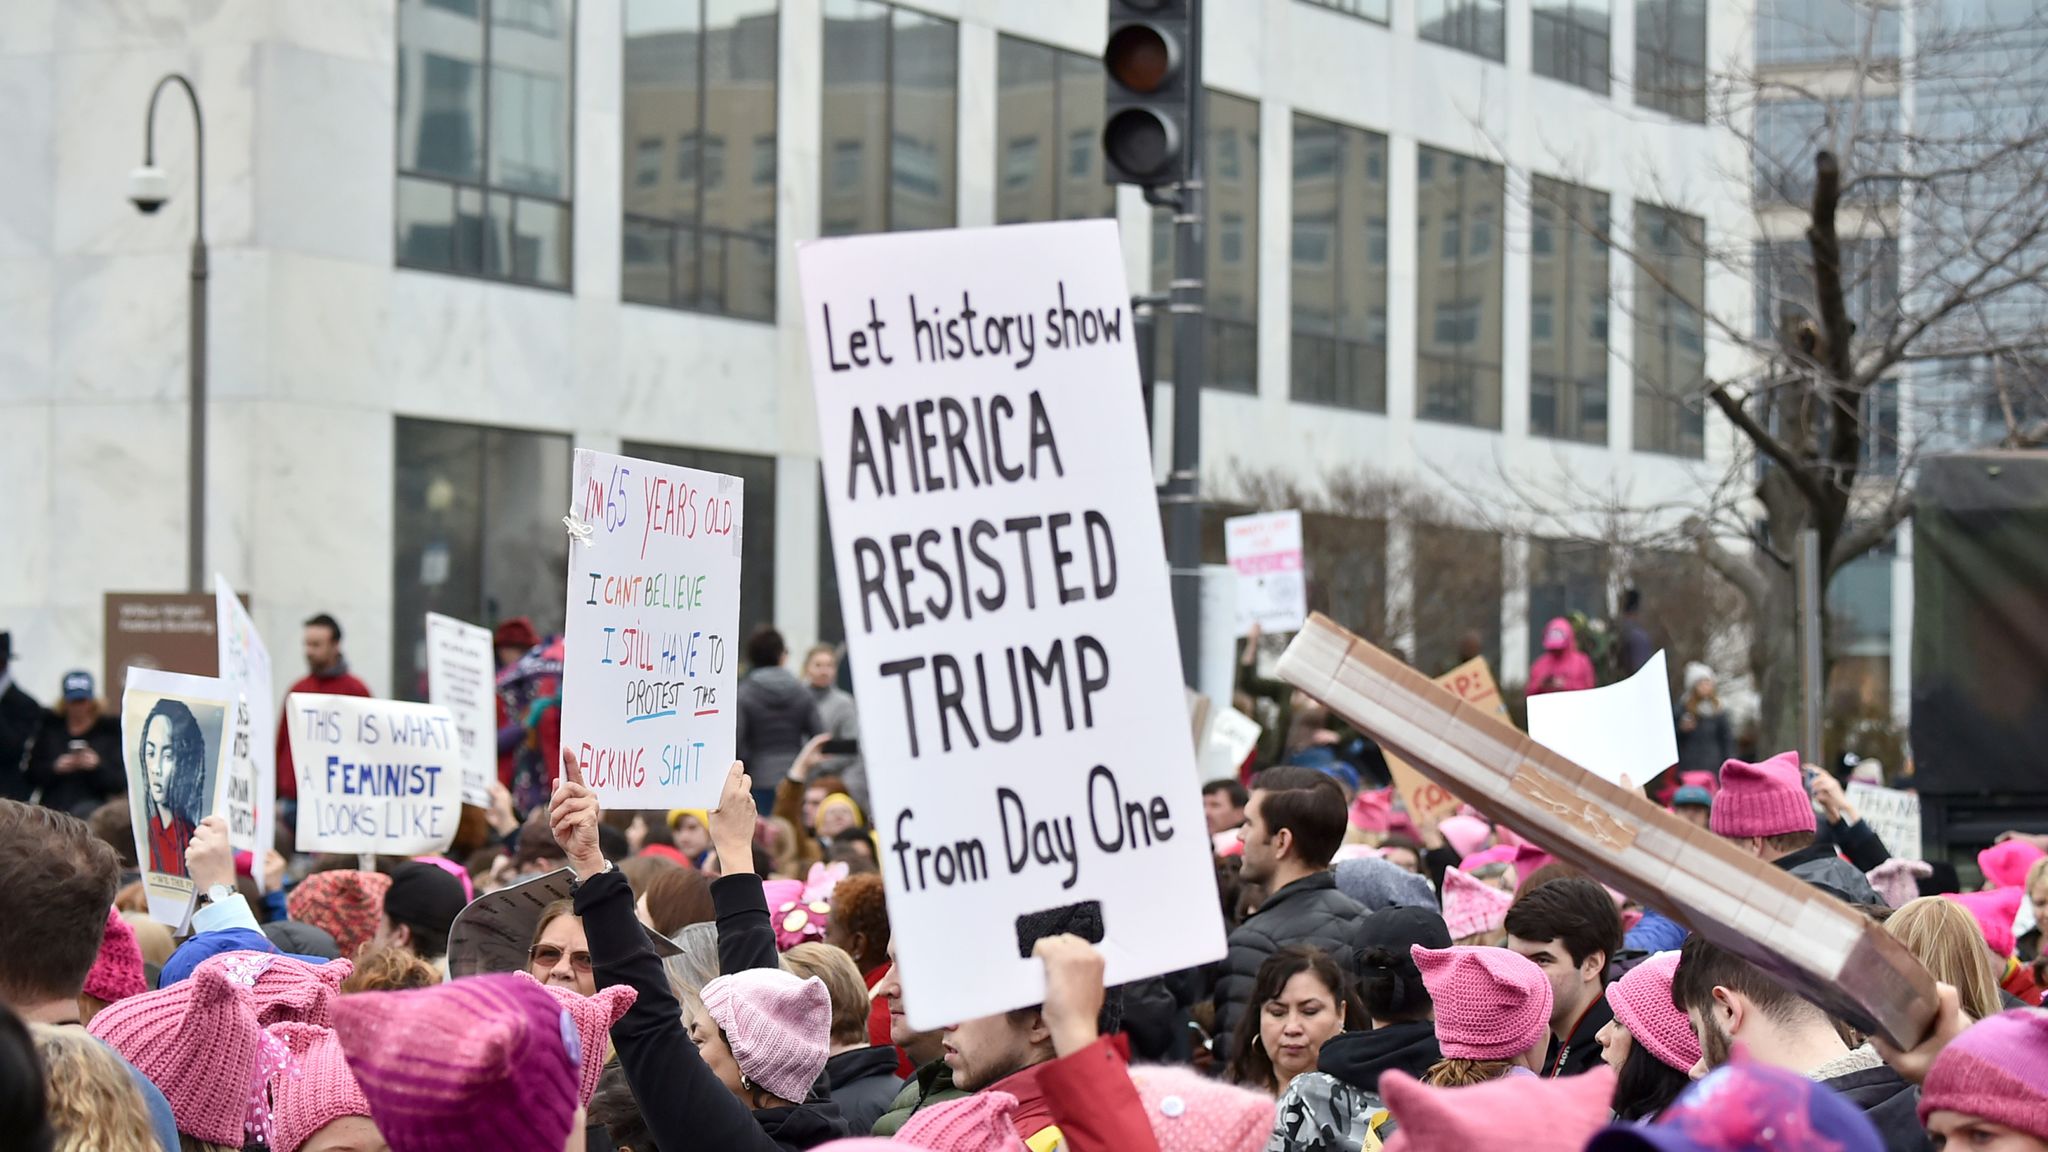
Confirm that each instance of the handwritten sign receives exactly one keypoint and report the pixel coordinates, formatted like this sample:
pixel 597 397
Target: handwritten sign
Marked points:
pixel 1894 815
pixel 1228 738
pixel 1620 730
pixel 1473 683
pixel 651 676
pixel 250 802
pixel 1004 587
pixel 1272 588
pixel 461 678
pixel 375 776
pixel 173 734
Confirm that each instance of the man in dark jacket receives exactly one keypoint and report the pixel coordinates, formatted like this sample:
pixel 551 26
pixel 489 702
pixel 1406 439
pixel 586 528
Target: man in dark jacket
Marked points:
pixel 1292 827
pixel 20 717
pixel 1569 928
pixel 1764 809
pixel 774 718
pixel 1732 1001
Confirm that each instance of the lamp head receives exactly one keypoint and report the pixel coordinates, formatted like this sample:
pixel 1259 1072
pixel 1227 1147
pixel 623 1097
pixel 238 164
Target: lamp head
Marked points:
pixel 148 189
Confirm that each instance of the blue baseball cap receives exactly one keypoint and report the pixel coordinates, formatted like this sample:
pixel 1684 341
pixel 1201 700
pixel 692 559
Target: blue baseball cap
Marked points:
pixel 1692 796
pixel 78 685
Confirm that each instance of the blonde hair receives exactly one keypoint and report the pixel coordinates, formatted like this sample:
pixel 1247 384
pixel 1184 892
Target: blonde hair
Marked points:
pixel 94 1103
pixel 1459 1073
pixel 1945 937
pixel 2035 872
pixel 390 970
pixel 830 964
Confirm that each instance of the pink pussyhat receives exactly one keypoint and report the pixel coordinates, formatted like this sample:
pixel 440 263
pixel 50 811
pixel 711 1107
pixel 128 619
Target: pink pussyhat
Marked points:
pixel 1491 1004
pixel 1465 834
pixel 1498 854
pixel 1372 811
pixel 1528 860
pixel 283 989
pixel 1995 911
pixel 1191 1113
pixel 2005 865
pixel 1471 907
pixel 1764 799
pixel 1997 1069
pixel 199 1042
pixel 1497 1114
pixel 117 971
pixel 1642 1003
pixel 978 1123
pixel 481 1064
pixel 1898 880
pixel 594 1017
pixel 778 1027
pixel 313 1088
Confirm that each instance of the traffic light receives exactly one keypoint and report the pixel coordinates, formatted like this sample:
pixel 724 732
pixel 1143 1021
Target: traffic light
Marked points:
pixel 1150 58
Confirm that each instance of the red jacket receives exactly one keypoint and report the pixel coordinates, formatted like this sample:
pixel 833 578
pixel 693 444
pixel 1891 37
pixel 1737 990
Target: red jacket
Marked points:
pixel 340 684
pixel 1088 1096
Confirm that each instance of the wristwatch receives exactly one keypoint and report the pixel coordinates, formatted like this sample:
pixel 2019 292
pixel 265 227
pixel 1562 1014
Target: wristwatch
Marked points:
pixel 576 883
pixel 219 894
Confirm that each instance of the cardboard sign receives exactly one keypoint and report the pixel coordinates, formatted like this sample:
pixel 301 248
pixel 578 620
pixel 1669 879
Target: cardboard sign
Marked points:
pixel 171 631
pixel 1473 683
pixel 173 735
pixel 379 777
pixel 1894 815
pixel 1230 737
pixel 493 932
pixel 462 677
pixel 1272 587
pixel 1004 587
pixel 250 799
pixel 1825 950
pixel 651 674
pixel 1618 730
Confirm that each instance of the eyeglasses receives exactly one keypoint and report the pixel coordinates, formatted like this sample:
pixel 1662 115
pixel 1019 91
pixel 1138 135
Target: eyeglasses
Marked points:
pixel 547 956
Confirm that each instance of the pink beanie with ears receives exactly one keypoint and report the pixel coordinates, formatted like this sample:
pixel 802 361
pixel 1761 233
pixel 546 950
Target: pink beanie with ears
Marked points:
pixel 593 1017
pixel 2005 865
pixel 313 1088
pixel 977 1123
pixel 199 1042
pixel 1764 799
pixel 1995 911
pixel 1642 1004
pixel 1491 1004
pixel 1471 907
pixel 1497 1114
pixel 1191 1113
pixel 778 1027
pixel 284 989
pixel 117 971
pixel 1465 834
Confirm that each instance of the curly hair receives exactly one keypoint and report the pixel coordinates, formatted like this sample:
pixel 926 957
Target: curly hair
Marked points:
pixel 390 970
pixel 185 793
pixel 858 909
pixel 94 1103
pixel 1461 1073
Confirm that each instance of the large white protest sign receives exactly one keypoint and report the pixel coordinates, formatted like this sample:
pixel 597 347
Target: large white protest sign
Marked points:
pixel 1620 730
pixel 174 731
pixel 250 799
pixel 1008 618
pixel 1272 588
pixel 375 776
pixel 1891 813
pixel 650 679
pixel 462 677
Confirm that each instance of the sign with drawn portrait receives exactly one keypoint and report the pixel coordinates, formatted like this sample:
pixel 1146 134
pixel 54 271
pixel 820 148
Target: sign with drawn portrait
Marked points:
pixel 172 729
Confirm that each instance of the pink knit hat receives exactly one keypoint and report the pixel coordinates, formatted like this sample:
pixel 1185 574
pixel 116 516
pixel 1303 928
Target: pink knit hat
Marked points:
pixel 1642 1003
pixel 117 971
pixel 2005 865
pixel 1898 880
pixel 343 903
pixel 1471 907
pixel 313 1089
pixel 779 1027
pixel 481 1064
pixel 1497 1114
pixel 1498 854
pixel 1528 860
pixel 198 1040
pixel 1465 834
pixel 1191 1113
pixel 594 1017
pixel 1995 911
pixel 285 989
pixel 1491 1004
pixel 1766 799
pixel 1372 810
pixel 1997 1069
pixel 978 1123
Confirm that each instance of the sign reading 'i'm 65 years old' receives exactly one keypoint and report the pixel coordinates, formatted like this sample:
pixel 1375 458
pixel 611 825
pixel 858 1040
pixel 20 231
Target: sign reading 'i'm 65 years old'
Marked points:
pixel 1008 619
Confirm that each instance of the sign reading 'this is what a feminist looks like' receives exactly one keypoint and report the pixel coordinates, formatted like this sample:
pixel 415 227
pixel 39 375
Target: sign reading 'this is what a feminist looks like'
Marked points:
pixel 1004 587
pixel 649 676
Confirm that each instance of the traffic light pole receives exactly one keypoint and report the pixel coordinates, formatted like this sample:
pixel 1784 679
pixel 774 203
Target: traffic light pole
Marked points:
pixel 1182 495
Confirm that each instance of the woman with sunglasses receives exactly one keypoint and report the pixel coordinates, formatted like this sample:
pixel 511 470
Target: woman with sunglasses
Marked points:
pixel 560 954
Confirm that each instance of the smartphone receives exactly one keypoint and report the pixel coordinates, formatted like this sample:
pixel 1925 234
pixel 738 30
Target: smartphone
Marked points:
pixel 841 748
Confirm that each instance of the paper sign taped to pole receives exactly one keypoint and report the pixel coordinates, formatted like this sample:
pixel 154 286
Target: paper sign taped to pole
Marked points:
pixel 1272 585
pixel 1424 798
pixel 382 777
pixel 1893 814
pixel 174 734
pixel 249 801
pixel 462 677
pixel 1009 622
pixel 651 669
pixel 1621 729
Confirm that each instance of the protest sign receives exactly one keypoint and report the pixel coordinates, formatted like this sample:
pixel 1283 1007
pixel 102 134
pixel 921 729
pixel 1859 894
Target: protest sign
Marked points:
pixel 650 679
pixel 461 677
pixel 249 802
pixel 493 932
pixel 173 732
pixel 1230 737
pixel 1425 799
pixel 1622 729
pixel 1891 813
pixel 1265 552
pixel 375 776
pixel 1823 949
pixel 1004 587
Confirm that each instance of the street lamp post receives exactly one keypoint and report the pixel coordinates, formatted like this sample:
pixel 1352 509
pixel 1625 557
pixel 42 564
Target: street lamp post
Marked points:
pixel 148 189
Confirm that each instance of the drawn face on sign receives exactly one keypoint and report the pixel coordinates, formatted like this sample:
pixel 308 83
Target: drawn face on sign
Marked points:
pixel 159 763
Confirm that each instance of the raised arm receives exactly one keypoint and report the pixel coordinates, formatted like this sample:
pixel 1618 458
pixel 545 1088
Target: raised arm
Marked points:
pixel 746 936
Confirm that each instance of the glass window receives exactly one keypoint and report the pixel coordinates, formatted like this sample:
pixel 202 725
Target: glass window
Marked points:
pixel 1230 130
pixel 1826 31
pixel 477 533
pixel 891 78
pixel 1475 26
pixel 1571 42
pixel 1375 10
pixel 757 539
pixel 1790 133
pixel 1458 591
pixel 702 73
pixel 1671 57
pixel 1049 109
pixel 496 206
pixel 1338 355
pixel 1568 313
pixel 1565 576
pixel 1460 307
pixel 1670 354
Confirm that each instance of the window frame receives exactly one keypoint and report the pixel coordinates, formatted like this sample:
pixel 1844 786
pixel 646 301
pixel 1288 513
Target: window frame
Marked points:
pixel 1661 96
pixel 1654 313
pixel 889 134
pixel 1459 167
pixel 1555 208
pixel 1578 66
pixel 1352 8
pixel 1340 351
pixel 1064 144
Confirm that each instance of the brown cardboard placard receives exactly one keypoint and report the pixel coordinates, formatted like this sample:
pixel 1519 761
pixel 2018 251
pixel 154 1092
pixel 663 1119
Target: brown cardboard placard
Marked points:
pixel 1426 800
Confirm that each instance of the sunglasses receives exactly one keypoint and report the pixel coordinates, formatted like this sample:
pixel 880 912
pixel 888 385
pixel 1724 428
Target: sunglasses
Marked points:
pixel 547 956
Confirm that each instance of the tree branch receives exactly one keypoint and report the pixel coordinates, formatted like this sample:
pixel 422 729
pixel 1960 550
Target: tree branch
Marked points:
pixel 1765 443
pixel 1863 535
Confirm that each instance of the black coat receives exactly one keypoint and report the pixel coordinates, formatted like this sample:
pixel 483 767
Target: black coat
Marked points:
pixel 1358 1058
pixel 1891 1103
pixel 1710 743
pixel 77 792
pixel 1308 911
pixel 1582 1052
pixel 864 1084
pixel 20 718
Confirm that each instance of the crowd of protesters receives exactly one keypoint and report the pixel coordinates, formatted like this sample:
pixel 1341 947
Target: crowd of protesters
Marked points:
pixel 725 978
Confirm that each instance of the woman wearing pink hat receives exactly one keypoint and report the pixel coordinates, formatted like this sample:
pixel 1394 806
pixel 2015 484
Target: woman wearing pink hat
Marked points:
pixel 1492 1013
pixel 1650 1044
